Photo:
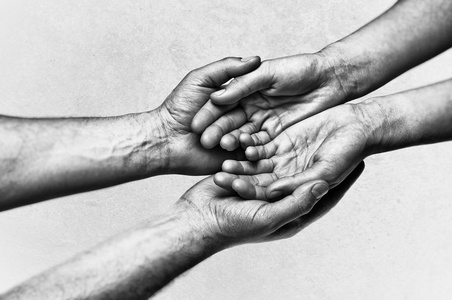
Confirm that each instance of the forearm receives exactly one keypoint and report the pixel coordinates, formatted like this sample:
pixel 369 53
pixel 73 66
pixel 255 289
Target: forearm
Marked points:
pixel 415 117
pixel 46 158
pixel 134 265
pixel 409 33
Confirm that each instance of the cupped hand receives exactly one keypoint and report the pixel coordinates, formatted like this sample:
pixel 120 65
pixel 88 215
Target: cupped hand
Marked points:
pixel 326 146
pixel 227 220
pixel 186 154
pixel 278 94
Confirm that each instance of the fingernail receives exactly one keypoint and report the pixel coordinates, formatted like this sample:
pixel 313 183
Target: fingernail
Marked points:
pixel 319 190
pixel 275 194
pixel 218 93
pixel 247 58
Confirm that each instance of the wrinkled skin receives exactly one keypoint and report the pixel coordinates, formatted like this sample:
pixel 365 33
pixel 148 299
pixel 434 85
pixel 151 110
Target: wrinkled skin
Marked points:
pixel 227 220
pixel 327 146
pixel 263 103
pixel 187 155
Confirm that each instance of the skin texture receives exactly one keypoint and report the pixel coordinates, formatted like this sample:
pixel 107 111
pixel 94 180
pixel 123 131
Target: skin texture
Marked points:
pixel 278 94
pixel 284 91
pixel 330 144
pixel 48 158
pixel 185 152
pixel 136 147
pixel 205 220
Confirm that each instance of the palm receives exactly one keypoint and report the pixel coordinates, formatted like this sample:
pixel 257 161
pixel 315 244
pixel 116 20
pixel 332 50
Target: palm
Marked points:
pixel 267 116
pixel 232 220
pixel 327 146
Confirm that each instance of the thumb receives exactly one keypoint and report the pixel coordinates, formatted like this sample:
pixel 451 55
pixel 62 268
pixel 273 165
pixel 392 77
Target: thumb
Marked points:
pixel 217 73
pixel 243 86
pixel 299 203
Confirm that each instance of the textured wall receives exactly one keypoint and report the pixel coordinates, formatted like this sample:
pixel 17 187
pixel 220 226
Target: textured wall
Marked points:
pixel 391 236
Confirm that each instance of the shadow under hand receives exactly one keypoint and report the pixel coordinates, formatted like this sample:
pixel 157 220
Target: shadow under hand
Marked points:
pixel 321 208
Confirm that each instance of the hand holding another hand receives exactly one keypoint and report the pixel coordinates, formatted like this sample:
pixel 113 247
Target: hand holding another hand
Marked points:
pixel 223 220
pixel 266 101
pixel 183 150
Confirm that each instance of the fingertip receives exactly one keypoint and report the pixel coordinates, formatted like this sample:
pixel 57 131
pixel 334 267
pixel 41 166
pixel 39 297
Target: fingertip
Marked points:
pixel 319 188
pixel 251 154
pixel 278 188
pixel 197 124
pixel 229 142
pixel 209 138
pixel 245 189
pixel 251 62
pixel 219 178
pixel 227 165
pixel 224 180
pixel 246 140
pixel 251 59
pixel 223 97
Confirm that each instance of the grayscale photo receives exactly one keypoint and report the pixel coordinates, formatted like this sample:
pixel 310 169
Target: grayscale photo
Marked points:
pixel 224 150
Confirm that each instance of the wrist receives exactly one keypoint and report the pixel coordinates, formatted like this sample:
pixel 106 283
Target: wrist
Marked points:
pixel 196 230
pixel 153 146
pixel 336 66
pixel 384 126
pixel 348 67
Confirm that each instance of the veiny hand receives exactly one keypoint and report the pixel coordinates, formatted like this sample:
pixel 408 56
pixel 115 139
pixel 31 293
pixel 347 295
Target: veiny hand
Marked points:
pixel 228 220
pixel 327 146
pixel 278 94
pixel 187 156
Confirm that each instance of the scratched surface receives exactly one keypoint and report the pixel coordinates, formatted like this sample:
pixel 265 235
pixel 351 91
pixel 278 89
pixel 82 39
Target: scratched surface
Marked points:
pixel 391 236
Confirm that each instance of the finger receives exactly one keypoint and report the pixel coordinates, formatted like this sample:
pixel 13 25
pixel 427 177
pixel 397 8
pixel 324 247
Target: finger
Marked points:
pixel 261 138
pixel 248 187
pixel 257 139
pixel 333 196
pixel 298 204
pixel 226 123
pixel 231 141
pixel 260 152
pixel 286 185
pixel 321 207
pixel 246 140
pixel 243 86
pixel 247 190
pixel 208 114
pixel 248 167
pixel 225 180
pixel 217 73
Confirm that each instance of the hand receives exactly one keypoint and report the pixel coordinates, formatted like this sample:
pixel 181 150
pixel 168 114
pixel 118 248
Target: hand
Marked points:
pixel 186 155
pixel 227 220
pixel 327 146
pixel 279 93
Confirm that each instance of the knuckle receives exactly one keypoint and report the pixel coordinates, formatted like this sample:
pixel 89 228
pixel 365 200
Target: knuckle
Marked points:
pixel 193 74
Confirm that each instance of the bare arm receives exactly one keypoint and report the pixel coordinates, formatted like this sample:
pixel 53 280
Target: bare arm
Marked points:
pixel 46 158
pixel 415 117
pixel 408 34
pixel 330 144
pixel 133 265
pixel 287 90
pixel 207 219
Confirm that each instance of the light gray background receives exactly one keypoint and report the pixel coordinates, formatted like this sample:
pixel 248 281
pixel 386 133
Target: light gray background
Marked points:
pixel 391 236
